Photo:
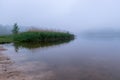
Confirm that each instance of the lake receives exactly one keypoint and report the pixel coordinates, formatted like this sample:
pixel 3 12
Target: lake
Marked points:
pixel 84 58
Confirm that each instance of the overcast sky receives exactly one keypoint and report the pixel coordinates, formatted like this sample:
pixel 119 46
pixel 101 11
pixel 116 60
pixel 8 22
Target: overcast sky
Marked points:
pixel 71 15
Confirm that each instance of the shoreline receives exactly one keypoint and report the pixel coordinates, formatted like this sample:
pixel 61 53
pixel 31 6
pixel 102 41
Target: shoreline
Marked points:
pixel 11 71
pixel 6 71
pixel 7 68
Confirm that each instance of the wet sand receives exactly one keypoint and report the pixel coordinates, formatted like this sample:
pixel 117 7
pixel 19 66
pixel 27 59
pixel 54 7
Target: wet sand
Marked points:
pixel 7 69
pixel 27 71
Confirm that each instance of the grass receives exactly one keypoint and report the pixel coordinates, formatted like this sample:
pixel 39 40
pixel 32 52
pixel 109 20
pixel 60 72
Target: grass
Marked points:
pixel 37 36
pixel 6 39
pixel 42 36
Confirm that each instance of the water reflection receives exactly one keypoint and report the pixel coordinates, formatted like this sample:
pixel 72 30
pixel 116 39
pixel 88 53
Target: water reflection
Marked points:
pixel 81 59
pixel 37 45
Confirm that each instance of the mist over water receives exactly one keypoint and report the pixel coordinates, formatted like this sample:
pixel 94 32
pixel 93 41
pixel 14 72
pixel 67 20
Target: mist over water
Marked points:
pixel 70 15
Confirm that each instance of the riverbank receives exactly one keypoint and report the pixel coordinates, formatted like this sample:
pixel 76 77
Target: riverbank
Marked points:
pixel 37 36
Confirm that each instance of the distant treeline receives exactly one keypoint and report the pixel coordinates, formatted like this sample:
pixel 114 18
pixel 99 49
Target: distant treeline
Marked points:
pixel 5 30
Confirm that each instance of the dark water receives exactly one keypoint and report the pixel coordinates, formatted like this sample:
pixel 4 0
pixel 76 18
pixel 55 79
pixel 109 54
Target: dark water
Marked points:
pixel 81 59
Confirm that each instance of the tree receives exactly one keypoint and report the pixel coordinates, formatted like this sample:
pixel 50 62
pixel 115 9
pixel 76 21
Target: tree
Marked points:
pixel 15 29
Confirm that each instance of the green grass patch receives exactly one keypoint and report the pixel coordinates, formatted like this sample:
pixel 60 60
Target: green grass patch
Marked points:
pixel 6 39
pixel 37 36
pixel 42 36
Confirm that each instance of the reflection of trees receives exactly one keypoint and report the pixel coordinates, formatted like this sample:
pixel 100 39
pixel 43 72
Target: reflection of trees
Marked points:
pixel 16 48
pixel 37 45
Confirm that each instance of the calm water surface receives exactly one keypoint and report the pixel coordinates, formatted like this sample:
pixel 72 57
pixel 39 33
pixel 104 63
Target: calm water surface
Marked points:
pixel 81 59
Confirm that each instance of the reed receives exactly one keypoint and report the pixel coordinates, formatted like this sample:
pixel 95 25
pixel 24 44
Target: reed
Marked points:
pixel 37 35
pixel 42 36
pixel 6 39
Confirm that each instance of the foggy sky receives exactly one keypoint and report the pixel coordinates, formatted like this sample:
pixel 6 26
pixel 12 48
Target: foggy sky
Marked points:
pixel 71 15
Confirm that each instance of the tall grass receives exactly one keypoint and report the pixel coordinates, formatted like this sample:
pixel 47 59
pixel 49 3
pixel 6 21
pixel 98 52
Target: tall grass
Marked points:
pixel 42 36
pixel 37 35
pixel 6 39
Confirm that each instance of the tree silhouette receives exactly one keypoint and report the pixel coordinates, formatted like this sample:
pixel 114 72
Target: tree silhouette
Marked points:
pixel 15 29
